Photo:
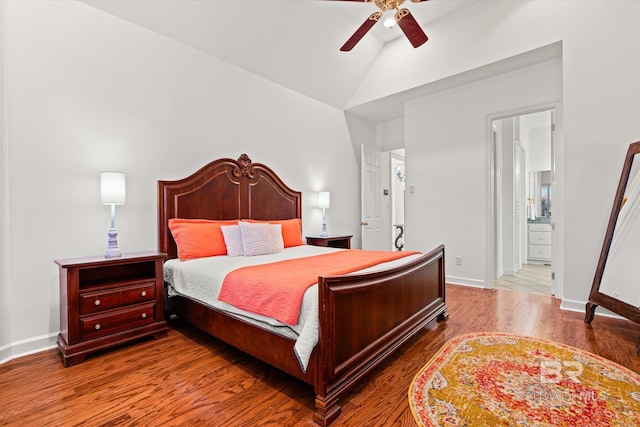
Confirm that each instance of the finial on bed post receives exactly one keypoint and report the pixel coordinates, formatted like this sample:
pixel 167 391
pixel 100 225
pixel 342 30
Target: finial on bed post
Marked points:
pixel 245 163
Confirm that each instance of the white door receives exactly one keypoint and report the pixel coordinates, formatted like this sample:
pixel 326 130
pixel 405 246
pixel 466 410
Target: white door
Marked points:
pixel 371 198
pixel 519 195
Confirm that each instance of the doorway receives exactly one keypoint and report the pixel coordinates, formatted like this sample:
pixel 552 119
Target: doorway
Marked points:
pixel 397 187
pixel 523 211
pixel 382 198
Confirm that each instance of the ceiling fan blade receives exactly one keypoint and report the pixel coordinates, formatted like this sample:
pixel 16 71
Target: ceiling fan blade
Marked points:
pixel 360 32
pixel 410 27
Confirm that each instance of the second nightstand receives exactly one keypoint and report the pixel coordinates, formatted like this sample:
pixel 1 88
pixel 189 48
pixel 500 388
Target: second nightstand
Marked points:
pixel 331 241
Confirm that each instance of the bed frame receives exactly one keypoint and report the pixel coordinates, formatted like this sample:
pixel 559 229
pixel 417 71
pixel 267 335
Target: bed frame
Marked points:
pixel 363 318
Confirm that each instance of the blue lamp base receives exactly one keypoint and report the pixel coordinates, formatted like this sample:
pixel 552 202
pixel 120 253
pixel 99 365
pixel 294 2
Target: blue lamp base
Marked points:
pixel 324 233
pixel 112 249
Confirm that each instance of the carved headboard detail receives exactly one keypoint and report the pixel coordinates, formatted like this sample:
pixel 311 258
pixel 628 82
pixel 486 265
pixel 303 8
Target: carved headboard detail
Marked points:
pixel 225 189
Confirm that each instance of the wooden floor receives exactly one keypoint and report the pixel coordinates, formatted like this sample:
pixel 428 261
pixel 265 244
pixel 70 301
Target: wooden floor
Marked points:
pixel 531 279
pixel 191 379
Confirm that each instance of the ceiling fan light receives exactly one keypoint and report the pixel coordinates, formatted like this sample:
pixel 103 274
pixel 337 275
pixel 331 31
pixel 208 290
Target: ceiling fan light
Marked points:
pixel 390 22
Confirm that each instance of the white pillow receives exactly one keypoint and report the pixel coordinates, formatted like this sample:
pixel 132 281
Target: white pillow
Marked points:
pixel 232 240
pixel 276 229
pixel 260 238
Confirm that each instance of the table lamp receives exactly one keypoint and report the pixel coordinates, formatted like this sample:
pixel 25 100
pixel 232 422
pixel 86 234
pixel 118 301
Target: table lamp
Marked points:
pixel 112 192
pixel 323 202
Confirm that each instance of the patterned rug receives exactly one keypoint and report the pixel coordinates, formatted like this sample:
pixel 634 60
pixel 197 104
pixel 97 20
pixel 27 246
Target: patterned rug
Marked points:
pixel 496 379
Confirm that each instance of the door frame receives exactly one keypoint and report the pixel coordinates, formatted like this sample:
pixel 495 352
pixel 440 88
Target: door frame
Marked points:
pixel 557 163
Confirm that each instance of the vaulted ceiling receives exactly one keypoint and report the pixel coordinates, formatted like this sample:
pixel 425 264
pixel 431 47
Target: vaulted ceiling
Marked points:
pixel 294 43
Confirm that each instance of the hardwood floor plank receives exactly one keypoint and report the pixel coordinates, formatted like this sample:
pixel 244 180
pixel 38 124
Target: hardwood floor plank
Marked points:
pixel 192 379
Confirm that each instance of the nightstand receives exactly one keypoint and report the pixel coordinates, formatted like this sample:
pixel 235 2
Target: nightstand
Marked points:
pixel 331 241
pixel 109 301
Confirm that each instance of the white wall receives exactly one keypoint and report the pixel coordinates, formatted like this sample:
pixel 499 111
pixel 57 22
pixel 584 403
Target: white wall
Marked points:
pixel 539 144
pixel 447 160
pixel 84 92
pixel 4 187
pixel 390 134
pixel 600 109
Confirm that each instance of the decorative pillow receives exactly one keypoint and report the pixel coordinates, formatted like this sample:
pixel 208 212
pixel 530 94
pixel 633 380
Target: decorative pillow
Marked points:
pixel 258 239
pixel 232 240
pixel 198 238
pixel 276 230
pixel 291 230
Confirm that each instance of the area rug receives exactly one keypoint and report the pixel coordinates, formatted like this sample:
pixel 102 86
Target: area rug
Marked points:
pixel 497 379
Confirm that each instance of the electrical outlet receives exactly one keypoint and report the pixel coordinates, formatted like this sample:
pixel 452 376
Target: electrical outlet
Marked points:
pixel 458 260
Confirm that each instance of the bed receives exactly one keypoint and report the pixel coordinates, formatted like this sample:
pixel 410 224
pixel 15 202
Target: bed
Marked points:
pixel 362 318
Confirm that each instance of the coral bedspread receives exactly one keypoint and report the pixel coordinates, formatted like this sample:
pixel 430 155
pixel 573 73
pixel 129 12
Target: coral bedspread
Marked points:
pixel 276 289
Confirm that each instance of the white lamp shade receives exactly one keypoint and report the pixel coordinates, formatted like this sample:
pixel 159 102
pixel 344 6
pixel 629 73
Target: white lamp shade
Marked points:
pixel 112 188
pixel 323 199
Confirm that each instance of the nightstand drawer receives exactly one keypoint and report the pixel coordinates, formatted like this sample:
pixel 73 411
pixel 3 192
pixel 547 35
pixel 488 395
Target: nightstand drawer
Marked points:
pixel 94 302
pixel 116 321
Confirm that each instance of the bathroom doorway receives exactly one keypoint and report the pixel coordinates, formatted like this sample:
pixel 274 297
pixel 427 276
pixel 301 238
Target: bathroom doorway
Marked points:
pixel 523 188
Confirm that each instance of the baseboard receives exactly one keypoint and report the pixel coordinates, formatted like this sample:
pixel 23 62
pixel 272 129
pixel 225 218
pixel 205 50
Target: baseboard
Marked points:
pixel 464 281
pixel 580 307
pixel 29 346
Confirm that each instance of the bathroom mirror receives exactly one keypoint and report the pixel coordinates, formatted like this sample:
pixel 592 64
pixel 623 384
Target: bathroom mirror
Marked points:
pixel 539 195
pixel 616 284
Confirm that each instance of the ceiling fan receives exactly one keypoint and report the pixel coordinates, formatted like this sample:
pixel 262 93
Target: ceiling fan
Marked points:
pixel 403 17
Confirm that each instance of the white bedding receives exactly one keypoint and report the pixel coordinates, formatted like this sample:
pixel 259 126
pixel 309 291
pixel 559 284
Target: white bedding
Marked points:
pixel 201 279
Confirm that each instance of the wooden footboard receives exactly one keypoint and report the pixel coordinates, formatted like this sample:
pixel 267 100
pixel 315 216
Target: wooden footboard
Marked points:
pixel 364 318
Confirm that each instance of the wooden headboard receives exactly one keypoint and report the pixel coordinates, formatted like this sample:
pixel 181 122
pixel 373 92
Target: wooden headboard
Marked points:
pixel 225 189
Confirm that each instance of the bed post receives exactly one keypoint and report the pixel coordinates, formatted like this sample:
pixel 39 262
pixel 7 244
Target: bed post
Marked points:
pixel 327 410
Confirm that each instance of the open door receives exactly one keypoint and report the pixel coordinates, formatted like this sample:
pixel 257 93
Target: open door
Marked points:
pixel 371 199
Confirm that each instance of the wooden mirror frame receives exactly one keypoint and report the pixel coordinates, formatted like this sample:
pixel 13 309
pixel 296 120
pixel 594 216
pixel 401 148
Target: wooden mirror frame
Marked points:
pixel 597 298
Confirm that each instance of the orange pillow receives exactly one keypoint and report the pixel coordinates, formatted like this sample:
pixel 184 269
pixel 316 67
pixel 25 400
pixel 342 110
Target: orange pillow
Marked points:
pixel 198 238
pixel 291 230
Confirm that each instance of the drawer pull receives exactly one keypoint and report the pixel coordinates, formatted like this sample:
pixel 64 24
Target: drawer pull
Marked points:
pixel 144 293
pixel 144 315
pixel 97 302
pixel 97 326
